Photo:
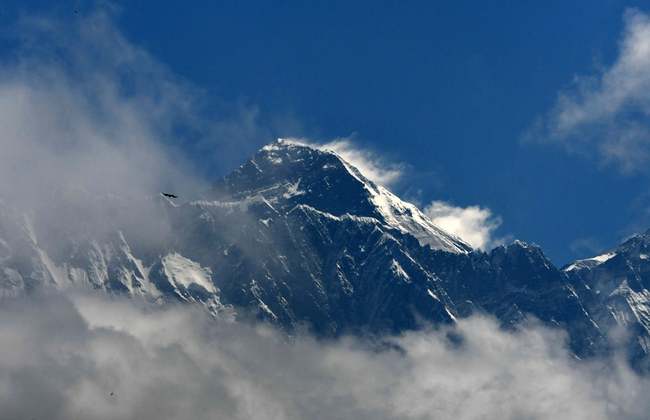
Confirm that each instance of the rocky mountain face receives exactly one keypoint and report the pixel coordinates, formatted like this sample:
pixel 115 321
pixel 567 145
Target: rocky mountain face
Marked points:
pixel 615 289
pixel 298 237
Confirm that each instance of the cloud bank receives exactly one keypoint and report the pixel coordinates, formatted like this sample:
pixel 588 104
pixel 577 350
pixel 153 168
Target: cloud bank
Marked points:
pixel 86 357
pixel 608 115
pixel 473 224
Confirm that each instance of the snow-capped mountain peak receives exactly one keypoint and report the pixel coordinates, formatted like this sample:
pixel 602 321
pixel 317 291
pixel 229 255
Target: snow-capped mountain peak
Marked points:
pixel 288 174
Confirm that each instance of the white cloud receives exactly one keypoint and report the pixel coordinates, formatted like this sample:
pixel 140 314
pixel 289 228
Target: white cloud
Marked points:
pixel 586 246
pixel 372 165
pixel 93 358
pixel 473 224
pixel 608 115
pixel 80 104
pixel 85 106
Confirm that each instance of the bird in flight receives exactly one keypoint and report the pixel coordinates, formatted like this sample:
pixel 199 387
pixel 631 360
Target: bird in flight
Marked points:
pixel 170 195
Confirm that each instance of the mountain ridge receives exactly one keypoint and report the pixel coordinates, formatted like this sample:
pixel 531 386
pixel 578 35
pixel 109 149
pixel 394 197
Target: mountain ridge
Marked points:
pixel 298 236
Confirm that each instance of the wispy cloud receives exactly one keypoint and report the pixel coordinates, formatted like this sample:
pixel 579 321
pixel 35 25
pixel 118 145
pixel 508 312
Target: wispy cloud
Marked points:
pixel 92 358
pixel 586 247
pixel 608 115
pixel 85 106
pixel 372 165
pixel 474 224
pixel 81 104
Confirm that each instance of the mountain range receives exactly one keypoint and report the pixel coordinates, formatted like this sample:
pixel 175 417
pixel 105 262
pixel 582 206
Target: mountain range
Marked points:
pixel 299 238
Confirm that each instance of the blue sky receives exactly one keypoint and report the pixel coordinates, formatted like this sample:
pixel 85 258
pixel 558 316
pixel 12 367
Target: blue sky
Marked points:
pixel 536 112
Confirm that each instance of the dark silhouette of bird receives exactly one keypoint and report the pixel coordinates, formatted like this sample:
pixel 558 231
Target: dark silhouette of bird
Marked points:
pixel 76 11
pixel 170 195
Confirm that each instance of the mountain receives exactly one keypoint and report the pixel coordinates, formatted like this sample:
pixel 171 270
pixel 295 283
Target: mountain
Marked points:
pixel 301 239
pixel 301 235
pixel 617 284
pixel 290 174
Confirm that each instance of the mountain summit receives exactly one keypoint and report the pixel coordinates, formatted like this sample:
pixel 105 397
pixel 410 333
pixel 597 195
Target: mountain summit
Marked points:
pixel 290 174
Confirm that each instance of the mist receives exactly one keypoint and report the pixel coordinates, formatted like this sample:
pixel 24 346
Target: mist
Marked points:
pixel 92 126
pixel 81 105
pixel 87 356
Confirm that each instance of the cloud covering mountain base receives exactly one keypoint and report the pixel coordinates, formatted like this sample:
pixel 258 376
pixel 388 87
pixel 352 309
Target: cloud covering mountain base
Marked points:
pixel 89 357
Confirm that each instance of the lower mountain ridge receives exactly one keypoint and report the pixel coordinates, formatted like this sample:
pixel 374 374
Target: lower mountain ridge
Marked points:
pixel 300 238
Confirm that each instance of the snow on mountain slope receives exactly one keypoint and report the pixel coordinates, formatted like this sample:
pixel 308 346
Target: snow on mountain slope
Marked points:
pixel 77 252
